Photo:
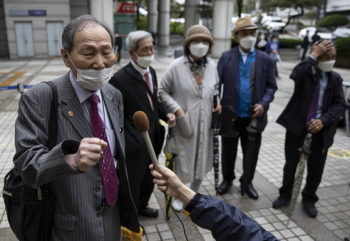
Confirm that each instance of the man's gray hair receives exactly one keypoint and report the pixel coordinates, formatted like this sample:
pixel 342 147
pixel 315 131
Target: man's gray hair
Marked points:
pixel 72 27
pixel 132 41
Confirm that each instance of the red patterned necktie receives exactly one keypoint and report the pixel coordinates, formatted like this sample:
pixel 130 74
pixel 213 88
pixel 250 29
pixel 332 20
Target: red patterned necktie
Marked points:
pixel 109 174
pixel 148 82
pixel 312 114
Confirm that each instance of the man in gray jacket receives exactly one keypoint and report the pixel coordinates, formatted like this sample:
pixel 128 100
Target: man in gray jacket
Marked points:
pixel 87 166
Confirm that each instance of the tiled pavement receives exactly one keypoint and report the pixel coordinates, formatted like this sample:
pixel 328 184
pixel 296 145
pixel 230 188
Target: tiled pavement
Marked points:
pixel 332 223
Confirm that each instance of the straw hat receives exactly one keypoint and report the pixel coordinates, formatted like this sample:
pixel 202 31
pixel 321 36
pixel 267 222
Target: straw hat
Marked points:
pixel 197 31
pixel 244 23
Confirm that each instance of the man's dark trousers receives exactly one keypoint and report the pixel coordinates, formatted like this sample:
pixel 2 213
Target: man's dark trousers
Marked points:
pixel 304 52
pixel 315 165
pixel 141 185
pixel 229 150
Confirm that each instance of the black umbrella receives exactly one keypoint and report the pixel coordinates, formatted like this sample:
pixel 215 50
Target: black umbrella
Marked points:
pixel 304 152
pixel 215 125
pixel 170 151
pixel 249 154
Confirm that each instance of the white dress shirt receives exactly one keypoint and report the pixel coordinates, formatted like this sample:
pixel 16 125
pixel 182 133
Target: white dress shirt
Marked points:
pixel 83 95
pixel 245 55
pixel 143 72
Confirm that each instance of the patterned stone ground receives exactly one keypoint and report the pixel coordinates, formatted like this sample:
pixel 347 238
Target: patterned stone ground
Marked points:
pixel 332 223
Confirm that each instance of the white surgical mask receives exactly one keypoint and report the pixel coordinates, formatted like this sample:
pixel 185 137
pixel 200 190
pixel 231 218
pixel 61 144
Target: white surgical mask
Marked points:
pixel 145 61
pixel 326 66
pixel 248 42
pixel 93 79
pixel 199 50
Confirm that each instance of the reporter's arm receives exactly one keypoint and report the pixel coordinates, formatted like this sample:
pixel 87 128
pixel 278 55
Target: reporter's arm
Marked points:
pixel 225 221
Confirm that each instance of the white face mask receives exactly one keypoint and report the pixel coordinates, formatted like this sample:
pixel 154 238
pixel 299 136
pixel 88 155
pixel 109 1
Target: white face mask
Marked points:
pixel 93 79
pixel 248 42
pixel 199 50
pixel 145 61
pixel 326 66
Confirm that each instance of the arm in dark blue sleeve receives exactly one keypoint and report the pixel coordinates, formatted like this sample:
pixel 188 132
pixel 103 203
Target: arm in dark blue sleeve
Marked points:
pixel 220 73
pixel 271 86
pixel 338 106
pixel 268 47
pixel 225 221
pixel 301 69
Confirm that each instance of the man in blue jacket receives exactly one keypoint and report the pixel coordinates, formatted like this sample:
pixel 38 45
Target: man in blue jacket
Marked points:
pixel 225 221
pixel 318 95
pixel 248 76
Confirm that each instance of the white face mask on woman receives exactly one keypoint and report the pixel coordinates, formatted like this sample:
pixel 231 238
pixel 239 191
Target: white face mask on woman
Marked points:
pixel 93 79
pixel 145 61
pixel 248 42
pixel 326 66
pixel 199 50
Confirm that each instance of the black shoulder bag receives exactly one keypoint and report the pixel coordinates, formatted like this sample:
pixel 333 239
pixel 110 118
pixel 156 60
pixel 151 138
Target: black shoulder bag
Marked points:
pixel 30 211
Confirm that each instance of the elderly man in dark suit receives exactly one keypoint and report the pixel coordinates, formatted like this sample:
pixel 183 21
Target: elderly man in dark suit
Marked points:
pixel 138 84
pixel 318 95
pixel 248 76
pixel 87 166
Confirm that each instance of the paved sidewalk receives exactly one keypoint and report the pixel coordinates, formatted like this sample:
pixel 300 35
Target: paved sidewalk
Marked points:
pixel 332 223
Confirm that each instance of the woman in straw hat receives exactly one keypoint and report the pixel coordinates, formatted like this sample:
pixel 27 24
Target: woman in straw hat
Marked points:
pixel 186 89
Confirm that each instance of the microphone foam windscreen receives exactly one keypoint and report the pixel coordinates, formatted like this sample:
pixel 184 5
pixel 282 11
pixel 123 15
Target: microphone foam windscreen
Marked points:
pixel 141 121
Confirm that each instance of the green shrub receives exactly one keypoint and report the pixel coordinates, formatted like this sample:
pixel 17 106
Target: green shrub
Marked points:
pixel 289 43
pixel 142 23
pixel 179 29
pixel 343 46
pixel 333 21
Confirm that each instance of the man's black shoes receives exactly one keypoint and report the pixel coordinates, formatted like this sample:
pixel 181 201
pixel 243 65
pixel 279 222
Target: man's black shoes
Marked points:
pixel 224 186
pixel 280 202
pixel 251 192
pixel 149 212
pixel 310 209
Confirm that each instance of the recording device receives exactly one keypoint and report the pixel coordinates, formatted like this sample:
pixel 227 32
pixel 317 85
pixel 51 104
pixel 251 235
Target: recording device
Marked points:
pixel 250 110
pixel 142 125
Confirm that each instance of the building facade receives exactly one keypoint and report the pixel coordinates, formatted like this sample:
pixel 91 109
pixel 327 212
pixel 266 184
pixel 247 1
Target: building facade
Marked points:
pixel 338 7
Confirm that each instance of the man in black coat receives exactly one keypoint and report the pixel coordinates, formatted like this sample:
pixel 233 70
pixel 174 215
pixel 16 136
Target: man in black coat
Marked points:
pixel 318 95
pixel 137 82
pixel 305 44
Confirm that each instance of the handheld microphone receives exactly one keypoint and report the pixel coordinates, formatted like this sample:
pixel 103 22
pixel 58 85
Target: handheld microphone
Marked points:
pixel 142 125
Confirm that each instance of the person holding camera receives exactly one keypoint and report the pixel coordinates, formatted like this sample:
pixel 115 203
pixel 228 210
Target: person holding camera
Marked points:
pixel 249 83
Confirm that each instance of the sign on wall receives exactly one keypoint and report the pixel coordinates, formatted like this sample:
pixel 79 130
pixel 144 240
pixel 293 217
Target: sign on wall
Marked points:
pixel 125 8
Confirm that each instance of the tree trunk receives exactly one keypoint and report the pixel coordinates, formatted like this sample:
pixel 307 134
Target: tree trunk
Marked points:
pixel 137 11
pixel 293 17
pixel 239 4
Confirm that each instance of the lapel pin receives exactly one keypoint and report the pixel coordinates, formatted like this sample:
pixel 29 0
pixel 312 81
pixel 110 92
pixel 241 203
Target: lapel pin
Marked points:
pixel 113 112
pixel 70 113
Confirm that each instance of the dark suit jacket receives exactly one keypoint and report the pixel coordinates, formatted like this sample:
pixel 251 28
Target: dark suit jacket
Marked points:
pixel 118 42
pixel 77 200
pixel 265 81
pixel 306 42
pixel 294 116
pixel 133 89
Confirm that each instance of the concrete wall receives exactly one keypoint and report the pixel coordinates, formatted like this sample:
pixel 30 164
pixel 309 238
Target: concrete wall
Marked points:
pixel 3 35
pixel 79 7
pixel 56 10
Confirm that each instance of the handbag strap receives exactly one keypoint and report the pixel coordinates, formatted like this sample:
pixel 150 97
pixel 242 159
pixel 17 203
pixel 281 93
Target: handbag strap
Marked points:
pixel 53 126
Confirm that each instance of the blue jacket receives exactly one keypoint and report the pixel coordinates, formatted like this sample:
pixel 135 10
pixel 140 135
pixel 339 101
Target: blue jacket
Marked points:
pixel 268 47
pixel 265 81
pixel 294 115
pixel 225 221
